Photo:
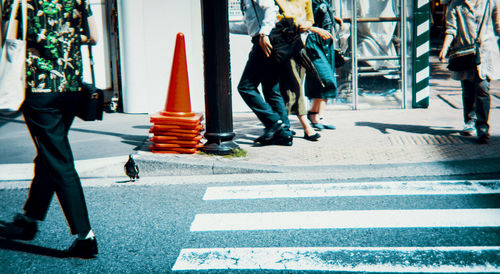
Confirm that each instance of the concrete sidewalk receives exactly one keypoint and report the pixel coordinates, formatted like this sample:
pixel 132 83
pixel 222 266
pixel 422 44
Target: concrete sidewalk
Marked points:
pixel 366 143
pixel 363 138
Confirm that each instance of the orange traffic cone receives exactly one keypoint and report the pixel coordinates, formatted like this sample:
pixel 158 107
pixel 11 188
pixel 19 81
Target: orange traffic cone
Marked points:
pixel 178 99
pixel 177 129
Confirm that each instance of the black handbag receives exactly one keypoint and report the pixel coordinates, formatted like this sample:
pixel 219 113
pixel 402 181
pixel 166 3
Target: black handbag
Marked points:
pixel 286 41
pixel 464 58
pixel 339 58
pixel 467 56
pixel 92 99
pixel 91 104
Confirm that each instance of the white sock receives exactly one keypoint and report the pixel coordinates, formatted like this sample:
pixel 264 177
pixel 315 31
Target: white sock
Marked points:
pixel 87 235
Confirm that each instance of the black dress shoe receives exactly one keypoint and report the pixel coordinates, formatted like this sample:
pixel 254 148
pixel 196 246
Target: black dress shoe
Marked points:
pixel 313 137
pixel 282 140
pixel 85 249
pixel 20 229
pixel 483 139
pixel 270 132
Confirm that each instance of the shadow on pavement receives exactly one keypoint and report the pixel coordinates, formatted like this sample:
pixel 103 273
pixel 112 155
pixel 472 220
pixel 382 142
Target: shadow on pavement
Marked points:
pixel 33 249
pixel 383 127
pixel 27 248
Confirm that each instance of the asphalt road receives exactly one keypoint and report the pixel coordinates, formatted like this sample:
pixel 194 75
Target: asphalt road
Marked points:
pixel 116 135
pixel 144 227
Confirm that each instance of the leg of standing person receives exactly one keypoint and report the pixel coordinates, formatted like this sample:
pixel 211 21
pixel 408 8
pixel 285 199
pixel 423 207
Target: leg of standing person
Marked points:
pixel 272 95
pixel 253 75
pixel 291 86
pixel 482 108
pixel 314 115
pixel 468 101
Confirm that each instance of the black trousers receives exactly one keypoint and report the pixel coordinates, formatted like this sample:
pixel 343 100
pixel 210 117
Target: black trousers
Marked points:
pixel 476 100
pixel 49 117
pixel 262 70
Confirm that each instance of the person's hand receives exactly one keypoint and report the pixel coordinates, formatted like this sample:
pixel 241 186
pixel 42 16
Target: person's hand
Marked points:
pixel 305 26
pixel 322 33
pixel 265 45
pixel 339 21
pixel 88 41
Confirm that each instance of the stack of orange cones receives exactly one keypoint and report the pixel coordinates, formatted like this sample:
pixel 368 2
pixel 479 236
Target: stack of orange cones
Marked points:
pixel 177 129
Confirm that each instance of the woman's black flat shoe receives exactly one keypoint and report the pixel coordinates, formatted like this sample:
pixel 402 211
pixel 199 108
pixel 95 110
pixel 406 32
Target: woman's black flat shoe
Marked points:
pixel 313 137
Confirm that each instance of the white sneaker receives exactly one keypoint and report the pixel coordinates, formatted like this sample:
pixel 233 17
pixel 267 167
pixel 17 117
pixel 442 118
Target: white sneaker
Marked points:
pixel 469 128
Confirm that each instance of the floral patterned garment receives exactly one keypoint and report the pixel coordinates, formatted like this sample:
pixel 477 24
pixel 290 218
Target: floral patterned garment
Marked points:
pixel 53 57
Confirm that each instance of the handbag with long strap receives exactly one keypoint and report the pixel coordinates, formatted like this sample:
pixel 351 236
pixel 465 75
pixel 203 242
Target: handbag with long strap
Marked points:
pixel 467 56
pixel 13 61
pixel 92 104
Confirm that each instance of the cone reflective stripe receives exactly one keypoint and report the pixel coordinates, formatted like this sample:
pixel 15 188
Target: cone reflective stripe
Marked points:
pixel 187 143
pixel 175 150
pixel 176 129
pixel 173 138
pixel 160 118
pixel 165 127
pixel 178 99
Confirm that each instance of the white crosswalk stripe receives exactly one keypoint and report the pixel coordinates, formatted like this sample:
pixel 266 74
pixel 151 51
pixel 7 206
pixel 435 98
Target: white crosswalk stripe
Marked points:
pixel 353 189
pixel 382 259
pixel 335 258
pixel 348 219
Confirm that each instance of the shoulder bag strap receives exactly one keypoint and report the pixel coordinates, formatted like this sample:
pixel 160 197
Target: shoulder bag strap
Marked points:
pixel 482 21
pixel 256 14
pixel 10 27
pixel 12 17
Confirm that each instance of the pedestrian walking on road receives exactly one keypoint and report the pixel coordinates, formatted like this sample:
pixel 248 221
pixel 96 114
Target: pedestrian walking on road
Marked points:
pixel 470 22
pixel 259 19
pixel 53 93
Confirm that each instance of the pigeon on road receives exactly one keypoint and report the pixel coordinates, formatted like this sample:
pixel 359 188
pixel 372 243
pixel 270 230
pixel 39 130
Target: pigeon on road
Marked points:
pixel 131 169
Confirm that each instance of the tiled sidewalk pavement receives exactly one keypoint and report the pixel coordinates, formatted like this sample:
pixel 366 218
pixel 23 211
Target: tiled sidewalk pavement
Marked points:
pixel 379 136
pixel 374 136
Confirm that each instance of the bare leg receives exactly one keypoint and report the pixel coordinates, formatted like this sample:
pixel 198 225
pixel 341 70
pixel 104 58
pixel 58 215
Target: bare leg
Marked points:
pixel 308 130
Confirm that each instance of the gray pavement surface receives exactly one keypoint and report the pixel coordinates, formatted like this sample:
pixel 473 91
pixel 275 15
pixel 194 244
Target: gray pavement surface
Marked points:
pixel 142 227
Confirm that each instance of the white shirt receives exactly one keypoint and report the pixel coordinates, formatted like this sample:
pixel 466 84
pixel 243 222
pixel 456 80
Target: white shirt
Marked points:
pixel 262 22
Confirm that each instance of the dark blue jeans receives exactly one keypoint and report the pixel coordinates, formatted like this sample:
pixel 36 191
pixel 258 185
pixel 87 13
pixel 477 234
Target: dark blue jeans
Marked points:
pixel 476 99
pixel 262 70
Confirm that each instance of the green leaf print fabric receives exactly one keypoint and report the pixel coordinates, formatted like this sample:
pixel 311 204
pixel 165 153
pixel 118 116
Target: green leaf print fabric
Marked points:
pixel 53 58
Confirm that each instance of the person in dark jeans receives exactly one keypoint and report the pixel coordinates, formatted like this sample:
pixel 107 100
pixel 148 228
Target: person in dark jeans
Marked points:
pixel 259 18
pixel 464 19
pixel 53 94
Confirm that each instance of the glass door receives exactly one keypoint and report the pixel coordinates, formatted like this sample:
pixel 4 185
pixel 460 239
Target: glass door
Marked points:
pixel 375 44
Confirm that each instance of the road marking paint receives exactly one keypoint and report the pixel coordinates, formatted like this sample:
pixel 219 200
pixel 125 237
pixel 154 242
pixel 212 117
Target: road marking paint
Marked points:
pixel 347 219
pixel 379 259
pixel 352 189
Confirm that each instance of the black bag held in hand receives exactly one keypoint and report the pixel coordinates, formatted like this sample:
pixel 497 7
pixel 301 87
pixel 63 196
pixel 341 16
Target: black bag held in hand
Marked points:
pixel 286 41
pixel 339 58
pixel 92 104
pixel 92 101
pixel 467 57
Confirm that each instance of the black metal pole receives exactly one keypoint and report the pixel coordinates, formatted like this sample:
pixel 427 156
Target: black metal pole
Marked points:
pixel 218 109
